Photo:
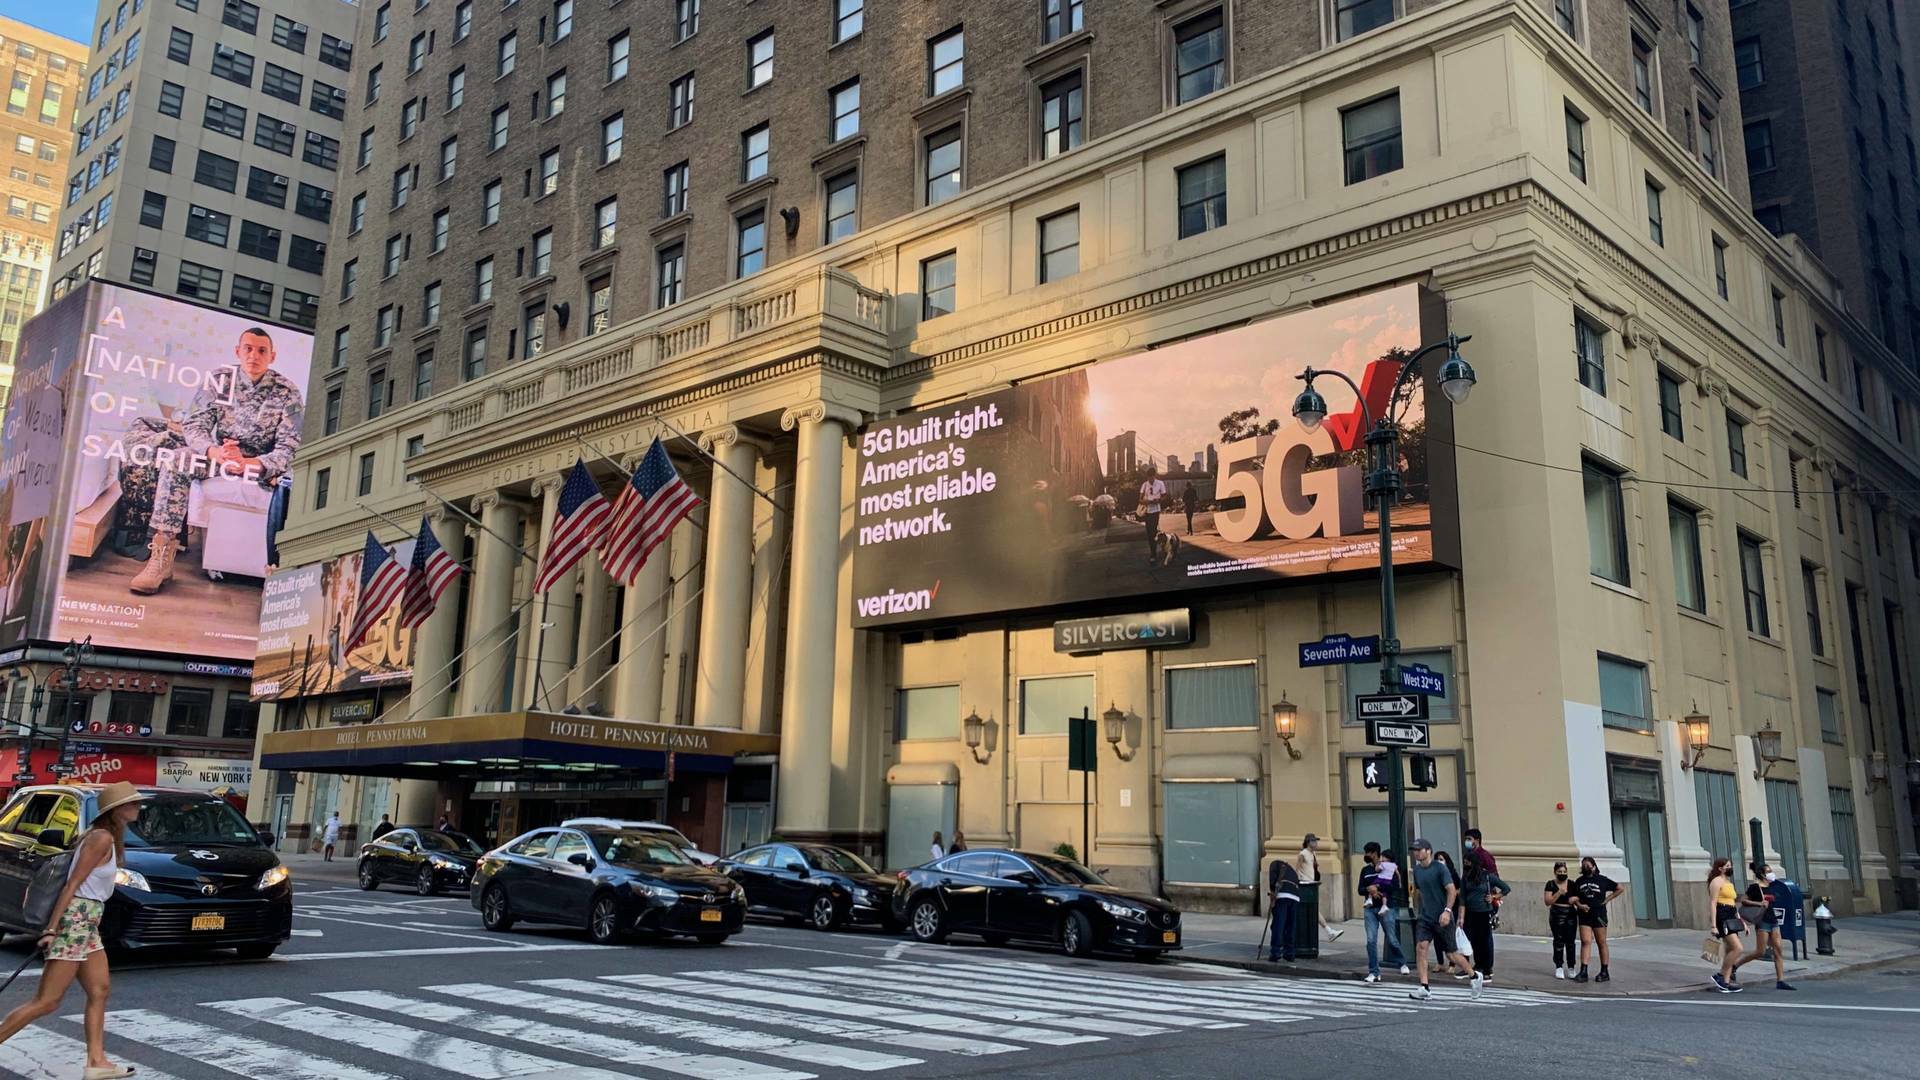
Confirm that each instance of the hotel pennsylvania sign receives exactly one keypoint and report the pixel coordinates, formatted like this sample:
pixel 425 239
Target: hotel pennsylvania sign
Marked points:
pixel 532 736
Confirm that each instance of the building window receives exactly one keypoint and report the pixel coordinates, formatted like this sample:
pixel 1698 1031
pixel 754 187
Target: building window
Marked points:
pixel 1213 696
pixel 365 156
pixel 172 97
pixel 281 83
pixel 1656 218
pixel 927 712
pixel 937 276
pixel 349 277
pixel 208 226
pixel 1060 245
pixel 430 305
pixel 1371 133
pixel 330 419
pixel 225 118
pixel 1748 64
pixel 1759 137
pixel 1720 266
pixel 490 204
pixel 299 308
pixel 750 243
pixel 599 303
pixel 474 359
pixel 1046 703
pixel 1576 143
pixel 456 88
pixel 943 165
pixel 946 62
pixel 402 186
pixel 1779 317
pixel 189 708
pixel 311 202
pixel 422 377
pixel 674 186
pixel 323 478
pixel 1672 422
pixel 251 295
pixel 846 110
pixel 1203 195
pixel 379 393
pixel 843 205
pixel 1590 353
pixel 542 253
pixel 1060 18
pixel 1696 35
pixel 506 55
pixel 671 275
pixel 396 248
pixel 442 225
pixel 1753 585
pixel 556 93
pixel 322 151
pixel 549 173
pixel 1816 630
pixel 335 52
pixel 1061 115
pixel 342 347
pixel 562 19
pixel 1199 57
pixel 289 34
pixel 1606 522
pixel 1820 351
pixel 533 330
pixel 686 19
pixel 1352 17
pixel 153 210
pixel 1709 151
pixel 760 60
pixel 613 134
pixel 449 158
pixel 1623 695
pixel 1736 445
pixel 382 22
pixel 233 65
pixel 199 282
pixel 680 101
pixel 365 485
pixel 619 52
pixel 606 218
pixel 754 147
pixel 385 322
pixel 1683 530
pixel 145 263
pixel 179 48
pixel 1567 18
pixel 373 84
pixel 260 241
pixel 1643 61
pixel 328 101
pixel 849 16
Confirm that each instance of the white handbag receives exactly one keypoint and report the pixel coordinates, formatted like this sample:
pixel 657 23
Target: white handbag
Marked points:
pixel 1465 944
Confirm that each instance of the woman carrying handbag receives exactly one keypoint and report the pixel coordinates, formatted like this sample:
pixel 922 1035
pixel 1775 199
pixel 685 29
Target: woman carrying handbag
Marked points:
pixel 72 942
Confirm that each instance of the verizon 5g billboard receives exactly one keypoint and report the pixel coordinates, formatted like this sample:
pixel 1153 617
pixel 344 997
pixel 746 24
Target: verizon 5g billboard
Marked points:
pixel 1158 473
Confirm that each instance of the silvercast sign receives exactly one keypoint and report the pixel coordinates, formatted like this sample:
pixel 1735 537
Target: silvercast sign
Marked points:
pixel 1141 630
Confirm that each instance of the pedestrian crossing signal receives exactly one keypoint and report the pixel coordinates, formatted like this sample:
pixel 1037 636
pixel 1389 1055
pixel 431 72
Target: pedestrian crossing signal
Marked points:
pixel 1373 772
pixel 1426 771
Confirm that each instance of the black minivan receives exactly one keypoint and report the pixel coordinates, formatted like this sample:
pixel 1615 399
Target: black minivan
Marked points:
pixel 197 875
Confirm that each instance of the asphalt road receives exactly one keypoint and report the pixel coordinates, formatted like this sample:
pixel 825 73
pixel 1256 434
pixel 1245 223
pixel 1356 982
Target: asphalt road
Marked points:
pixel 387 986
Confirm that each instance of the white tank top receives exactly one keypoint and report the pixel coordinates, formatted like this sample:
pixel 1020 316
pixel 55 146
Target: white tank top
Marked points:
pixel 98 884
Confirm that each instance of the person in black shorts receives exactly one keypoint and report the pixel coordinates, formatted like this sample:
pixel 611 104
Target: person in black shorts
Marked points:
pixel 1434 927
pixel 1593 891
pixel 1762 907
pixel 1562 920
pixel 1727 923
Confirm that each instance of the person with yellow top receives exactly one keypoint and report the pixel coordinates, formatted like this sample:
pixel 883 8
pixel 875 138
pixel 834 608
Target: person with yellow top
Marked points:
pixel 1727 923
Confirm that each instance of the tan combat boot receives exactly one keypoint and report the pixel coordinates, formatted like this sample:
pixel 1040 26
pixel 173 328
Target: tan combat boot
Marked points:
pixel 159 568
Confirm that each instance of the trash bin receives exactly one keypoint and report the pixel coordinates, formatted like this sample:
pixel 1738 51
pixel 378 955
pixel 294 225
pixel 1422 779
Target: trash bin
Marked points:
pixel 1306 922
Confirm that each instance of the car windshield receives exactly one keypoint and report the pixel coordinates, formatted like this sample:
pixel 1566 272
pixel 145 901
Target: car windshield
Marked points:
pixel 171 820
pixel 1064 871
pixel 845 862
pixel 638 849
pixel 459 843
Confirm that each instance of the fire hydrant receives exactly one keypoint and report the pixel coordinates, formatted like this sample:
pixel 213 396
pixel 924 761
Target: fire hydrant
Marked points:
pixel 1823 928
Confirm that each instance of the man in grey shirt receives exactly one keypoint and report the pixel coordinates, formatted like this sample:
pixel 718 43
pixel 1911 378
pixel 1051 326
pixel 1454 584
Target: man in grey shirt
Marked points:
pixel 1437 892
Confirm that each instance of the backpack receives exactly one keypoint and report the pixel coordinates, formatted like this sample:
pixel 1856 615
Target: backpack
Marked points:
pixel 36 910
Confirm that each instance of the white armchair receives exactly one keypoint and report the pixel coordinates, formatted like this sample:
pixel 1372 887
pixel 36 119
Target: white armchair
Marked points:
pixel 232 513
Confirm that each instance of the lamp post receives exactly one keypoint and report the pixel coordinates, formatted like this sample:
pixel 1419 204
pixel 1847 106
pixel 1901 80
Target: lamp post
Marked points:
pixel 1766 745
pixel 75 654
pixel 1698 728
pixel 1383 486
pixel 1286 721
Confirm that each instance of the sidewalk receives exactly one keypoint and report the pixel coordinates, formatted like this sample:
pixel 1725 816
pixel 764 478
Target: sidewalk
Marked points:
pixel 309 866
pixel 1645 962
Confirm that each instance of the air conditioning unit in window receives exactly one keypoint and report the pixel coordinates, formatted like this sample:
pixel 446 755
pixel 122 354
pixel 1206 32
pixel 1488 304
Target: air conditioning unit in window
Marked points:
pixel 222 50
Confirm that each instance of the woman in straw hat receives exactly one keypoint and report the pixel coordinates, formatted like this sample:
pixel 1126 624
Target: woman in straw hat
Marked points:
pixel 72 944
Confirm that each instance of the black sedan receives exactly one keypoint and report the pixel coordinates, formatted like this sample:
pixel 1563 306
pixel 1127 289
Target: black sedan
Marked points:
pixel 826 886
pixel 1002 895
pixel 196 874
pixel 614 882
pixel 424 858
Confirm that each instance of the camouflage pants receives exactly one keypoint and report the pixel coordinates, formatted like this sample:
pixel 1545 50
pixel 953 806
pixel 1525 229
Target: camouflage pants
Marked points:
pixel 171 484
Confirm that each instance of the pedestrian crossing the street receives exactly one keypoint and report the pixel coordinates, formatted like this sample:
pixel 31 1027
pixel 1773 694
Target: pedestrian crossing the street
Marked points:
pixel 767 1023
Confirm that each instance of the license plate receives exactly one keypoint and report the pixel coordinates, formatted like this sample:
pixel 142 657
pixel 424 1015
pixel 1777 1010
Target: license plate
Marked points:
pixel 1169 936
pixel 209 922
pixel 710 915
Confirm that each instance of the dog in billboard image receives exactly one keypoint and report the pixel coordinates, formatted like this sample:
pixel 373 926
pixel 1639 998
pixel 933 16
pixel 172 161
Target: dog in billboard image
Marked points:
pixel 240 434
pixel 1166 548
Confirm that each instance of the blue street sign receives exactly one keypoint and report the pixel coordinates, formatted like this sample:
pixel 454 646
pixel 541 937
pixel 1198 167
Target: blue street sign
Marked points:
pixel 1423 680
pixel 1339 649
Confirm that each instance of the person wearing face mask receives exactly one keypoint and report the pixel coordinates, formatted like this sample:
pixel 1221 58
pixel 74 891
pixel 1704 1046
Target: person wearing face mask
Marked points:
pixel 1595 891
pixel 1481 902
pixel 1765 906
pixel 1727 924
pixel 1562 920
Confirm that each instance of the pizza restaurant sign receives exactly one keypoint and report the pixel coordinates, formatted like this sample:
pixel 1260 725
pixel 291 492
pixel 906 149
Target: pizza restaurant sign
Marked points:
pixel 97 679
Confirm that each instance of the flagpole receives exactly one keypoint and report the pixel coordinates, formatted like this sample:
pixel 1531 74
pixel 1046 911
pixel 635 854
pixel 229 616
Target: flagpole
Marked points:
pixel 539 656
pixel 476 523
pixel 415 536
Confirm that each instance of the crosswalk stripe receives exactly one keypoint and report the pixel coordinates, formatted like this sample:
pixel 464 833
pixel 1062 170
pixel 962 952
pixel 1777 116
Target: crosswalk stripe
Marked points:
pixel 474 1060
pixel 1253 992
pixel 232 1053
pixel 743 987
pixel 703 1066
pixel 715 1035
pixel 1259 987
pixel 867 977
pixel 810 981
pixel 34 1053
pixel 1152 1000
pixel 1323 988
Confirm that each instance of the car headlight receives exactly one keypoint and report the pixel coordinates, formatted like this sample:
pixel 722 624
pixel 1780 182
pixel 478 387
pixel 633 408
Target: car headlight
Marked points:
pixel 862 896
pixel 439 863
pixel 274 876
pixel 1124 911
pixel 132 879
pixel 658 893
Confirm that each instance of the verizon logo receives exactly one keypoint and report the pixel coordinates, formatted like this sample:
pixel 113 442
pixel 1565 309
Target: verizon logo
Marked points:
pixel 895 602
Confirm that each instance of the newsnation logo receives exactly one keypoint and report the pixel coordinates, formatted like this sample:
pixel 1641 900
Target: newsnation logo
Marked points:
pixel 895 602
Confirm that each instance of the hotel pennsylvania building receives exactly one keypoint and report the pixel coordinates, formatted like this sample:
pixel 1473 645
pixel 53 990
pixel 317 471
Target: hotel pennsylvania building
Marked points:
pixel 1685 485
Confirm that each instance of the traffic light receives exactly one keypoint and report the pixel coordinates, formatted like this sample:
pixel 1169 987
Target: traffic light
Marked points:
pixel 1373 772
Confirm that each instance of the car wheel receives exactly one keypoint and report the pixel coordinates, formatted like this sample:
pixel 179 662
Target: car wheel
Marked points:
pixel 256 952
pixel 367 880
pixel 927 922
pixel 424 884
pixel 825 914
pixel 995 940
pixel 1076 934
pixel 712 939
pixel 495 914
pixel 603 920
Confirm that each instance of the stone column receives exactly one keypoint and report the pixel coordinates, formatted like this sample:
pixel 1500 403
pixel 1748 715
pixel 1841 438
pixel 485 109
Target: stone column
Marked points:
pixel 643 635
pixel 596 602
pixel 806 745
pixel 720 682
pixel 683 616
pixel 490 617
pixel 550 647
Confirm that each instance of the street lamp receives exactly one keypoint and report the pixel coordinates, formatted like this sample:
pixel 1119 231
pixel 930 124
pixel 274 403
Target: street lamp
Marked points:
pixel 1383 485
pixel 1766 743
pixel 1286 720
pixel 1116 725
pixel 974 732
pixel 1699 729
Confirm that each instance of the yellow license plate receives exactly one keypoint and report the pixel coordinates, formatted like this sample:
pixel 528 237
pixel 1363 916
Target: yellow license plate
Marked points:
pixel 710 915
pixel 1169 936
pixel 209 922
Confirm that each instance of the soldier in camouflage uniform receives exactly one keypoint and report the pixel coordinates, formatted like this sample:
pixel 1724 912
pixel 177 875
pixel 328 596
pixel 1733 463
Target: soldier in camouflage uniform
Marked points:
pixel 246 424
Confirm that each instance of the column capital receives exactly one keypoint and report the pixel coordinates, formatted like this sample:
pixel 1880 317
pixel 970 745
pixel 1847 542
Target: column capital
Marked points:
pixel 819 411
pixel 713 440
pixel 489 500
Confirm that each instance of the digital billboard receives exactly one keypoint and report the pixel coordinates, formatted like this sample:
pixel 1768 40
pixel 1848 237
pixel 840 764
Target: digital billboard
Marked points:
pixel 1174 469
pixel 170 429
pixel 305 613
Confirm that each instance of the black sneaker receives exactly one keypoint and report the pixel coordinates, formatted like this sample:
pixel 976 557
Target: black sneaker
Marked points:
pixel 1603 976
pixel 1784 986
pixel 1582 977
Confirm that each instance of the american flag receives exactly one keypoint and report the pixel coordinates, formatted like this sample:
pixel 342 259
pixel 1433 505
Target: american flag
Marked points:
pixel 432 571
pixel 577 528
pixel 381 580
pixel 650 504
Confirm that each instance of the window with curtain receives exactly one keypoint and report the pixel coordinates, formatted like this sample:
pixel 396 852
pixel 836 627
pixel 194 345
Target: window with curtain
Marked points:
pixel 927 712
pixel 1046 703
pixel 1215 696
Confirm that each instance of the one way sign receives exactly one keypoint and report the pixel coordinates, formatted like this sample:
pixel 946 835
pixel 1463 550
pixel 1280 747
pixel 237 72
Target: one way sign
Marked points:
pixel 1390 706
pixel 1404 733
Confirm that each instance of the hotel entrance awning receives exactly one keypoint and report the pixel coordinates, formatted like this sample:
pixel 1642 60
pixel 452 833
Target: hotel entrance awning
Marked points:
pixel 508 745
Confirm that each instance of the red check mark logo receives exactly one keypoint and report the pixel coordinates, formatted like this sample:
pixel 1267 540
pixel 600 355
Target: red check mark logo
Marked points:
pixel 1376 388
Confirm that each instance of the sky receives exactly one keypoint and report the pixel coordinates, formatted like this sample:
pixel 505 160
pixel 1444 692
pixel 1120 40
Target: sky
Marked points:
pixel 68 18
